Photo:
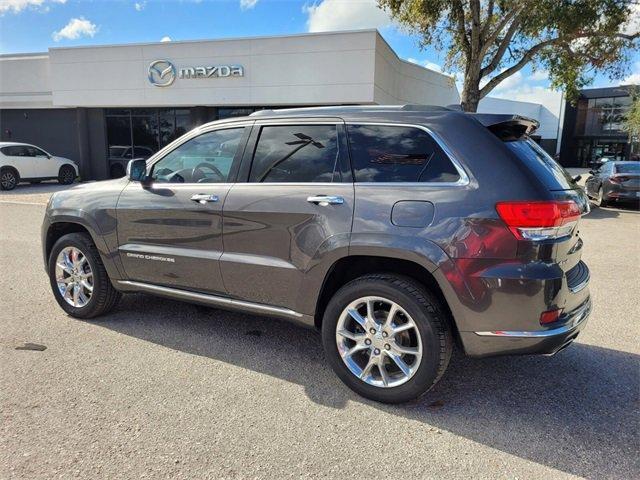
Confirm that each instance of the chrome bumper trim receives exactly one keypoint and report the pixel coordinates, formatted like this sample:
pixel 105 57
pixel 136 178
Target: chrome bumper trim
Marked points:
pixel 579 315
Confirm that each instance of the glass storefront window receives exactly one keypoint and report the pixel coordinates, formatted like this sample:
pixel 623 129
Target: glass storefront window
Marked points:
pixel 140 132
pixel 602 116
pixel 234 112
pixel 145 135
pixel 119 137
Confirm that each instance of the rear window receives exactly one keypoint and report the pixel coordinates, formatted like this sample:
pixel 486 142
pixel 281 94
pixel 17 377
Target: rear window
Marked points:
pixel 397 154
pixel 628 168
pixel 545 168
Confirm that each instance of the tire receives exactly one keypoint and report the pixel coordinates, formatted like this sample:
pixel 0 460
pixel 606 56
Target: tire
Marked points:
pixel 66 175
pixel 431 326
pixel 103 297
pixel 601 200
pixel 9 179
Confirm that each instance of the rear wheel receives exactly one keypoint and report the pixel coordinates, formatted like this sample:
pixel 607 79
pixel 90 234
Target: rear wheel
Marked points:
pixel 9 179
pixel 386 337
pixel 67 175
pixel 78 278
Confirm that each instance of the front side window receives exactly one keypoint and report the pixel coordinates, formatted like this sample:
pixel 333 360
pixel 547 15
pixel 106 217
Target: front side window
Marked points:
pixel 35 152
pixel 206 158
pixel 296 154
pixel 381 153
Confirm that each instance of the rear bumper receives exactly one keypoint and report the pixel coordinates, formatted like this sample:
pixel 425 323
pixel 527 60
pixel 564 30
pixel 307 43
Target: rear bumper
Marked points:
pixel 512 342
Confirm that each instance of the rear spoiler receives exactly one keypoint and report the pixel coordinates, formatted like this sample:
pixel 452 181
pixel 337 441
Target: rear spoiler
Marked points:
pixel 505 126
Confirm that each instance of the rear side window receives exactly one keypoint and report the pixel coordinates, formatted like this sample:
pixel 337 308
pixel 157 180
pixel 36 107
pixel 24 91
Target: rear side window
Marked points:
pixel 296 153
pixel 381 153
pixel 15 151
pixel 545 168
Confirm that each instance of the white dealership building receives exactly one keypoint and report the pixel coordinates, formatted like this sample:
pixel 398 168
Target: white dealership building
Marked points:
pixel 101 105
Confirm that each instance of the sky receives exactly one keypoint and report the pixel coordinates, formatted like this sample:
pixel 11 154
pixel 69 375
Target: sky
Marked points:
pixel 37 25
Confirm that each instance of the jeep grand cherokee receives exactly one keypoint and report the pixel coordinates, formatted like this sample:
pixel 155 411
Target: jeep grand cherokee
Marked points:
pixel 396 231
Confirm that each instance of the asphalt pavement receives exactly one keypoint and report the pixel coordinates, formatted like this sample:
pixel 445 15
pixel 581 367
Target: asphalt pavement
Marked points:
pixel 163 389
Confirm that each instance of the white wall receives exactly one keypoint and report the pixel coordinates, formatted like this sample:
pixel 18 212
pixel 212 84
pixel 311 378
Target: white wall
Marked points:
pixel 400 82
pixel 25 81
pixel 548 120
pixel 355 67
pixel 302 69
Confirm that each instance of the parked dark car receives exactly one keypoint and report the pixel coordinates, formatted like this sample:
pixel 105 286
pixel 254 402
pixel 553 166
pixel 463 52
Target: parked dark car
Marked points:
pixel 396 231
pixel 615 181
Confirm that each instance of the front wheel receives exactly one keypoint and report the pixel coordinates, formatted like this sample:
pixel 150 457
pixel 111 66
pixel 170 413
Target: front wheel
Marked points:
pixel 601 200
pixel 386 337
pixel 78 278
pixel 67 175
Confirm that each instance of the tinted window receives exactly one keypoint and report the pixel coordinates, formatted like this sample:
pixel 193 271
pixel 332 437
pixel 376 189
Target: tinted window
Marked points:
pixel 35 152
pixel 296 153
pixel 397 154
pixel 628 168
pixel 15 151
pixel 206 158
pixel 548 171
pixel 141 152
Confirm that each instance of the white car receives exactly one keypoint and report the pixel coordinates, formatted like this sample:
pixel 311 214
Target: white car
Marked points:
pixel 21 162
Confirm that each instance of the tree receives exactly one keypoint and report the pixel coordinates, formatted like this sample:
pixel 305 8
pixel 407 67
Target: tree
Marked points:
pixel 632 123
pixel 490 40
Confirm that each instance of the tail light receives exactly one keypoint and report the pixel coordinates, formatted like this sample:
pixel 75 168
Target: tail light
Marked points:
pixel 618 179
pixel 544 220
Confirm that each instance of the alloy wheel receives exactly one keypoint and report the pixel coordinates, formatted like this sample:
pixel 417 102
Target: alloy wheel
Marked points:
pixel 379 342
pixel 7 180
pixel 67 176
pixel 74 277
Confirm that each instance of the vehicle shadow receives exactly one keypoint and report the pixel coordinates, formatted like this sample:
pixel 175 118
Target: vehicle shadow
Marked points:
pixel 576 412
pixel 599 213
pixel 612 211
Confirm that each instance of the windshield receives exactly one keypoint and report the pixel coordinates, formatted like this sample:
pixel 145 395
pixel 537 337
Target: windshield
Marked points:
pixel 554 176
pixel 628 167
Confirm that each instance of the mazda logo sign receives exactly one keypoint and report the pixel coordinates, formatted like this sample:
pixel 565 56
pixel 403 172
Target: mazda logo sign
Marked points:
pixel 162 73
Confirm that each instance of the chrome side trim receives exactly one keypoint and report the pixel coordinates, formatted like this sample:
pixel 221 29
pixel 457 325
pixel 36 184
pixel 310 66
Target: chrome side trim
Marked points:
pixel 464 177
pixel 578 316
pixel 214 300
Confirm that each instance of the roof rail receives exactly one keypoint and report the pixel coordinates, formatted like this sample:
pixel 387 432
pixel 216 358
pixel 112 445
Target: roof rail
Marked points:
pixel 350 108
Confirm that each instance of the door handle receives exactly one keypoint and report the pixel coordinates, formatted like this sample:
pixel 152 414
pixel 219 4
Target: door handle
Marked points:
pixel 203 198
pixel 325 200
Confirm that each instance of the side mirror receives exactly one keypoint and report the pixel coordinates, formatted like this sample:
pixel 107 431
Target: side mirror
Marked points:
pixel 577 178
pixel 137 170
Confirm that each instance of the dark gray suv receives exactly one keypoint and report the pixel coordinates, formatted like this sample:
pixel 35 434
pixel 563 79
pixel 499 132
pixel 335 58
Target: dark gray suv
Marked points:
pixel 396 231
